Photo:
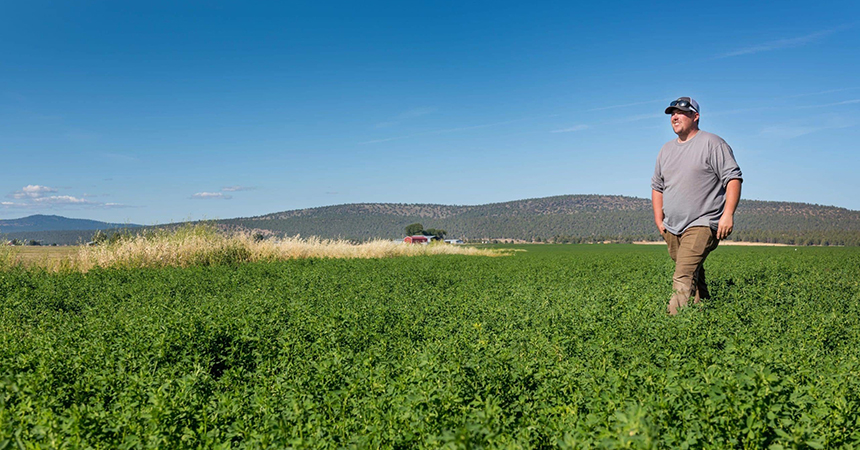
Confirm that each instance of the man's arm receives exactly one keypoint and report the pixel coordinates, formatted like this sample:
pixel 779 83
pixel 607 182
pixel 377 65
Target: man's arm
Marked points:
pixel 733 196
pixel 657 204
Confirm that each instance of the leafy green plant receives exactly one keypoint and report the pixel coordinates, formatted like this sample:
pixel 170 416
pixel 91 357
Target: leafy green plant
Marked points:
pixel 554 347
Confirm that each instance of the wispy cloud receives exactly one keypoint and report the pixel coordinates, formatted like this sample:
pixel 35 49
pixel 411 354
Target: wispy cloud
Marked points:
pixel 377 141
pixel 211 196
pixel 579 127
pixel 788 131
pixel 31 191
pixel 445 131
pixel 24 107
pixel 410 114
pixel 728 112
pixel 417 112
pixel 35 196
pixel 828 105
pixel 791 131
pixel 119 157
pixel 830 91
pixel 17 96
pixel 626 105
pixel 639 117
pixel 62 200
pixel 81 135
pixel 783 43
pixel 237 188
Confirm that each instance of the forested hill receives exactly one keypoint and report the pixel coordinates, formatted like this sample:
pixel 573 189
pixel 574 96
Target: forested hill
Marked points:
pixel 566 218
pixel 50 229
pixel 40 222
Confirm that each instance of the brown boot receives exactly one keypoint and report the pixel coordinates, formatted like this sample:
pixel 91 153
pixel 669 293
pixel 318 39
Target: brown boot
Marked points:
pixel 679 300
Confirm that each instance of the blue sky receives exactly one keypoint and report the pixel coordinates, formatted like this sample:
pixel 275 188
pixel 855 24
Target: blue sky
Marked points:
pixel 154 112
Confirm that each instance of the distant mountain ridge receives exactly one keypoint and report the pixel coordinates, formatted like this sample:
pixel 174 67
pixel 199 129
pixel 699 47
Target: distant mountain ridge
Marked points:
pixel 40 222
pixel 539 206
pixel 563 218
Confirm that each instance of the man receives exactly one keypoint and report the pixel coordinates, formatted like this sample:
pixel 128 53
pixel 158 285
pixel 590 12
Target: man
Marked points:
pixel 694 192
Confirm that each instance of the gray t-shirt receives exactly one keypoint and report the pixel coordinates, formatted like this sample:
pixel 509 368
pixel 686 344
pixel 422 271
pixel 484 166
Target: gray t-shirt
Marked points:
pixel 692 177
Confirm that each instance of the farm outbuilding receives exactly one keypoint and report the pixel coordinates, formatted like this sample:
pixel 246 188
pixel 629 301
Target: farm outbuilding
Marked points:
pixel 418 239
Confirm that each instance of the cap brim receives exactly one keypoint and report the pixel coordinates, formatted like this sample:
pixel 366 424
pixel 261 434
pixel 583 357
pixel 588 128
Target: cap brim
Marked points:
pixel 679 108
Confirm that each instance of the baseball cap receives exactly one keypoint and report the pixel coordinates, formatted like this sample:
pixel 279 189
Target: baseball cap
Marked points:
pixel 684 104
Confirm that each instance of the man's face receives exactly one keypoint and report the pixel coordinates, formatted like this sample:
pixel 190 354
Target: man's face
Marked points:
pixel 683 122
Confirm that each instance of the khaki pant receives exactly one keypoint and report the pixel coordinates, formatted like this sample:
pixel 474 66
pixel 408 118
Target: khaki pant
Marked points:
pixel 689 251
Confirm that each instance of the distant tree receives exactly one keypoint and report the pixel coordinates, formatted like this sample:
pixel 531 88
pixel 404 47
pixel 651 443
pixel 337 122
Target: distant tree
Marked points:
pixel 437 234
pixel 34 242
pixel 413 229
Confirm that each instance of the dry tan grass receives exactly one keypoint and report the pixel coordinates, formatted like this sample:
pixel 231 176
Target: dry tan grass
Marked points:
pixel 203 245
pixel 35 256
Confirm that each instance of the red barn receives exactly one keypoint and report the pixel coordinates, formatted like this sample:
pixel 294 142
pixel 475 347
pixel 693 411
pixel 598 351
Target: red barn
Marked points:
pixel 418 239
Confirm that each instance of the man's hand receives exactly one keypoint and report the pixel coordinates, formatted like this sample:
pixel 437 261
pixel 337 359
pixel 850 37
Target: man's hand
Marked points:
pixel 727 220
pixel 657 205
pixel 725 226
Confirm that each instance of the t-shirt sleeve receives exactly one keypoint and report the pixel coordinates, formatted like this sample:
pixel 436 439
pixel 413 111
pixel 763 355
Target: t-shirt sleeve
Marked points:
pixel 724 164
pixel 657 178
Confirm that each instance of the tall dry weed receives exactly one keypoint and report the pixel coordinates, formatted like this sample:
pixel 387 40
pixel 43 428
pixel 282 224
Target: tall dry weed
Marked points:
pixel 7 258
pixel 198 244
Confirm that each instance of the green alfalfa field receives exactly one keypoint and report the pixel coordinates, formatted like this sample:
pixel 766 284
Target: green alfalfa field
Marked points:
pixel 564 346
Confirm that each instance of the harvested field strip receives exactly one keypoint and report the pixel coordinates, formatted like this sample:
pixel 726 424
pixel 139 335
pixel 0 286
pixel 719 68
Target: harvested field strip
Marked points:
pixel 201 245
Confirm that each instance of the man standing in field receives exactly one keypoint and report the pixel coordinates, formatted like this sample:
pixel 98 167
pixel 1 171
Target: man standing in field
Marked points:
pixel 694 192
